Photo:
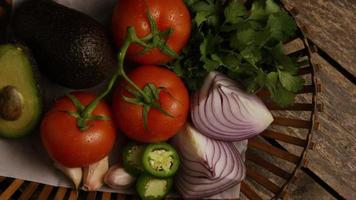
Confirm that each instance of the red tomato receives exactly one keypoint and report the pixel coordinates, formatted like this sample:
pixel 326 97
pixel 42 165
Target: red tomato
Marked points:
pixel 70 146
pixel 174 99
pixel 166 13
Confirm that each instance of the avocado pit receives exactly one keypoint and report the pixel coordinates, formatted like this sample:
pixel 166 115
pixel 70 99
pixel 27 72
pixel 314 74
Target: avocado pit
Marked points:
pixel 11 103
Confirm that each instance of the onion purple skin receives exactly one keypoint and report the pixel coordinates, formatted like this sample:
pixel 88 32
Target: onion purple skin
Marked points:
pixel 208 166
pixel 223 111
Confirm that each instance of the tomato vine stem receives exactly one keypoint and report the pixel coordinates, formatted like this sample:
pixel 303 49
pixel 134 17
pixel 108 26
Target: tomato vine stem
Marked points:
pixel 155 39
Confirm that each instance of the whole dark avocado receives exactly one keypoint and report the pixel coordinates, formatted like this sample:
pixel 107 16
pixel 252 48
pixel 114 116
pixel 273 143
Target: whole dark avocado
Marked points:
pixel 69 46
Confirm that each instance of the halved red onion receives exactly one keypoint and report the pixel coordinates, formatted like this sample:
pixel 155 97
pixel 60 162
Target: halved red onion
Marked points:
pixel 208 166
pixel 223 111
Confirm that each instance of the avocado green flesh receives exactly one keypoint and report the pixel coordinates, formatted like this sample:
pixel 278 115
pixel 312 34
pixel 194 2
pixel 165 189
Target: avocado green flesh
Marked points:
pixel 16 70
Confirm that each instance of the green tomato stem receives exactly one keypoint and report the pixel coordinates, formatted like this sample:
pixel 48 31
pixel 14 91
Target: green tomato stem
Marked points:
pixel 152 40
pixel 130 38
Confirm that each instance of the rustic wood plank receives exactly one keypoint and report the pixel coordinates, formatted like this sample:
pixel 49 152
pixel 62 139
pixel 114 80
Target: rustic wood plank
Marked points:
pixel 265 182
pixel 254 143
pixel 305 70
pixel 2 179
pixel 46 191
pixel 284 137
pixel 11 189
pixel 296 107
pixel 30 189
pixel 334 157
pixel 106 196
pixel 313 187
pixel 331 26
pixel 248 192
pixel 61 192
pixel 91 196
pixel 293 46
pixel 73 195
pixel 120 197
pixel 134 197
pixel 263 93
pixel 296 123
pixel 268 165
pixel 306 188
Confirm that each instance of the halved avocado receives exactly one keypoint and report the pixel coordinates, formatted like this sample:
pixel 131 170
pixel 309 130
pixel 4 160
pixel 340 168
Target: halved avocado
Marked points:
pixel 20 101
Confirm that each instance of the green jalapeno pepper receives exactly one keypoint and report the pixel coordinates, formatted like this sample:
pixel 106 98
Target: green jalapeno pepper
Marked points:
pixel 132 158
pixel 152 188
pixel 160 160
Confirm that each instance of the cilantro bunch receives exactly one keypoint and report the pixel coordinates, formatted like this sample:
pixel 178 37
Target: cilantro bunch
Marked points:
pixel 244 43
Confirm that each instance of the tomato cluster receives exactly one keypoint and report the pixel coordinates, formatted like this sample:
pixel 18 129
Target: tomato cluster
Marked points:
pixel 76 136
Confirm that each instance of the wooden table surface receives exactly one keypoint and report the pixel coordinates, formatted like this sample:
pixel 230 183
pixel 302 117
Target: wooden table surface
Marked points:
pixel 331 170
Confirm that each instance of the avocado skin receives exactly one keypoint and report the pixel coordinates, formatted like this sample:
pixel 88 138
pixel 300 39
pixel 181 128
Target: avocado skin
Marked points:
pixel 69 46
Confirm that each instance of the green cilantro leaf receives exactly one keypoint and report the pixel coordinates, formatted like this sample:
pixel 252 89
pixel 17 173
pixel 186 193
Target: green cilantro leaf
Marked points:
pixel 210 65
pixel 282 61
pixel 290 82
pixel 256 83
pixel 246 44
pixel 177 68
pixel 281 26
pixel 189 3
pixel 282 96
pixel 234 12
pixel 262 9
pixel 278 93
pixel 251 54
pixel 216 58
pixel 203 10
pixel 209 44
pixel 232 61
pixel 272 80
pixel 272 7
pixel 201 17
pixel 258 11
pixel 243 38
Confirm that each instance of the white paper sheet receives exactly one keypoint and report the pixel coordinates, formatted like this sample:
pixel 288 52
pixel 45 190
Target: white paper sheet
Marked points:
pixel 27 159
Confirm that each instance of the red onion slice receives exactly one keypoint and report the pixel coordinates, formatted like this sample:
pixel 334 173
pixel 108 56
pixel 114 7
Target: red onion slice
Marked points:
pixel 212 166
pixel 223 111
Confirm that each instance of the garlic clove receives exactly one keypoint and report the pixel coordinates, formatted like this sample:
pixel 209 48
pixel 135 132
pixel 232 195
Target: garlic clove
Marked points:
pixel 118 178
pixel 74 174
pixel 94 174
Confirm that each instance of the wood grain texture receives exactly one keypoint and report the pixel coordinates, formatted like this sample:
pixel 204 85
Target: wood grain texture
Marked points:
pixel 46 191
pixel 61 192
pixel 29 190
pixel 11 189
pixel 330 24
pixel 306 188
pixel 334 157
pixel 73 195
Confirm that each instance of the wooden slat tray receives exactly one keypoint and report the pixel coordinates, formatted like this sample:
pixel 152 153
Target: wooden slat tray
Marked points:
pixel 272 158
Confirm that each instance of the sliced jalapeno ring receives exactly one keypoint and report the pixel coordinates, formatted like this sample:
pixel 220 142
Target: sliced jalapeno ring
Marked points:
pixel 149 187
pixel 132 158
pixel 160 160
